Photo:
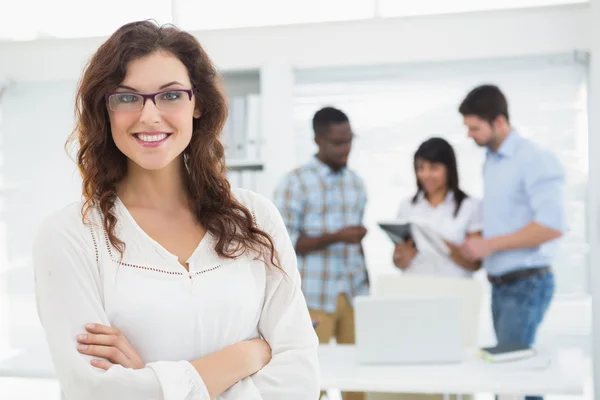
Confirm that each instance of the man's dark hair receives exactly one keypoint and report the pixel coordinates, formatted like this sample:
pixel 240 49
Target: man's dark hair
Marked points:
pixel 325 117
pixel 486 102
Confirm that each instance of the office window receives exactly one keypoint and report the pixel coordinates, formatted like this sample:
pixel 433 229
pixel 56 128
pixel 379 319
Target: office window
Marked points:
pixel 402 8
pixel 394 109
pixel 224 14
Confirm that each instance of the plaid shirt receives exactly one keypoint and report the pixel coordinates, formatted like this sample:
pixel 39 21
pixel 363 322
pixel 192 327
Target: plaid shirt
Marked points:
pixel 314 200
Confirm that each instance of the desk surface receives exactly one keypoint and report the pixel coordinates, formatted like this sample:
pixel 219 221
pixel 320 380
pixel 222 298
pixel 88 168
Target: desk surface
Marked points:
pixel 559 374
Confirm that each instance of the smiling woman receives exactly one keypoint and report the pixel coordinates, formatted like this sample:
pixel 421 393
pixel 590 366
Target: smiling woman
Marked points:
pixel 165 122
pixel 164 283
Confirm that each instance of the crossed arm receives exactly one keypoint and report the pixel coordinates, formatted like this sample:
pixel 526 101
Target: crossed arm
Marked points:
pixel 68 294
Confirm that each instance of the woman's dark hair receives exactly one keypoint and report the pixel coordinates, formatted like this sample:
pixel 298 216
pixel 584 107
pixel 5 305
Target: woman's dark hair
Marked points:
pixel 438 150
pixel 102 165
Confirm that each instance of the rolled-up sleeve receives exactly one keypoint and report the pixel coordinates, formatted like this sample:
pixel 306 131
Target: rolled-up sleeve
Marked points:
pixel 475 215
pixel 68 295
pixel 289 200
pixel 285 324
pixel 545 187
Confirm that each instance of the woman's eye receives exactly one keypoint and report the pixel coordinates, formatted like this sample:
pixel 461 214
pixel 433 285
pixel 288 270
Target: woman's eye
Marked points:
pixel 171 95
pixel 127 98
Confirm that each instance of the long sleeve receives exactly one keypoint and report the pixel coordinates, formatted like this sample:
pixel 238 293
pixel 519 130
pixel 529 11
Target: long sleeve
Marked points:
pixel 293 373
pixel 69 295
pixel 289 200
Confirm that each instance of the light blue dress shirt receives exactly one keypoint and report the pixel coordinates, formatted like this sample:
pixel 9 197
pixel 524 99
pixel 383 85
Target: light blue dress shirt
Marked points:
pixel 523 183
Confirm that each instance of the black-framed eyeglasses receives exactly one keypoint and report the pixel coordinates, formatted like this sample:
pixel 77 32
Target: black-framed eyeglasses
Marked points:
pixel 165 100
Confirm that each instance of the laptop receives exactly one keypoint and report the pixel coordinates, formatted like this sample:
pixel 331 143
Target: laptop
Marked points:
pixel 409 330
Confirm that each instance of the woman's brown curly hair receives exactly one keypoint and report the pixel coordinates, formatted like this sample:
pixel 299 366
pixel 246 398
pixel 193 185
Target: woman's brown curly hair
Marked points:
pixel 103 166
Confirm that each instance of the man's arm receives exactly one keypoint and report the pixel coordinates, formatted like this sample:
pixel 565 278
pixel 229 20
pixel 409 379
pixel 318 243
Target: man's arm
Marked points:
pixel 350 234
pixel 532 235
pixel 290 201
pixel 289 198
pixel 305 244
pixel 544 185
pixel 460 258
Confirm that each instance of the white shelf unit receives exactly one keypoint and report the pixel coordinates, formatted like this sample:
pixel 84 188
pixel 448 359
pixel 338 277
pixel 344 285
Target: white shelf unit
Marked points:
pixel 242 132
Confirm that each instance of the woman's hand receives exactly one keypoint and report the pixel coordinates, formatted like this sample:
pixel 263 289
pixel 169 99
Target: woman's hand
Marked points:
pixel 461 256
pixel 259 353
pixel 109 344
pixel 404 253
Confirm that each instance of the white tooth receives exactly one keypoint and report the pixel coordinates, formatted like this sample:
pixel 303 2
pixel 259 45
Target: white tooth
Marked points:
pixel 152 138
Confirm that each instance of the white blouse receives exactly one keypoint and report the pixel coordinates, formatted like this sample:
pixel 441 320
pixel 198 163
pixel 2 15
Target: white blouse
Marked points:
pixel 169 315
pixel 452 228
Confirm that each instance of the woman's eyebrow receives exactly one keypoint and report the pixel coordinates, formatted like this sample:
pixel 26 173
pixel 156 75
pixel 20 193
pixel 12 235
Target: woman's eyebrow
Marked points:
pixel 162 87
pixel 127 87
pixel 170 84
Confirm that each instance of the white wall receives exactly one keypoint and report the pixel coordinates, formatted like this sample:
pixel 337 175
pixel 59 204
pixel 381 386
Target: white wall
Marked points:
pixel 492 34
pixel 277 52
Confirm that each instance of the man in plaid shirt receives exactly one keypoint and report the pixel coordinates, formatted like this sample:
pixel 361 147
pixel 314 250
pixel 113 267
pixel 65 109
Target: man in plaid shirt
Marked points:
pixel 322 204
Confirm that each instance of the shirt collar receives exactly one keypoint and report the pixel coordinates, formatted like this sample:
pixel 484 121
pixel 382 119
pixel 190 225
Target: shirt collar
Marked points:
pixel 508 146
pixel 449 197
pixel 323 169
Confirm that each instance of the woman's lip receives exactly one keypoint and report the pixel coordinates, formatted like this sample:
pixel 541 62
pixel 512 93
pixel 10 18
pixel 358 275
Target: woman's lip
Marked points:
pixel 154 133
pixel 150 143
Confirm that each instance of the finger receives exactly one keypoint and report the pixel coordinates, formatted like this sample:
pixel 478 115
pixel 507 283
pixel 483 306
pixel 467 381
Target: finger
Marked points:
pixel 102 329
pixel 120 342
pixel 102 364
pixel 109 353
pixel 104 340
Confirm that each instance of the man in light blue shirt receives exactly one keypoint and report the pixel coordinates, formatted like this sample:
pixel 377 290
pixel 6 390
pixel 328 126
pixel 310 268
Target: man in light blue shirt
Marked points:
pixel 523 215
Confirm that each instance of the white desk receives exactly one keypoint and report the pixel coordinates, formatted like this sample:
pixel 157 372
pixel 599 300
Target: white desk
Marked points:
pixel 339 370
pixel 558 374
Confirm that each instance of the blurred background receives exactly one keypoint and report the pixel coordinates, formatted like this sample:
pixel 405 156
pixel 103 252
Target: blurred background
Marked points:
pixel 398 68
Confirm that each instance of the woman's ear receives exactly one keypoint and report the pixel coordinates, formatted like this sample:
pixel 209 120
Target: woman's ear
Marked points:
pixel 198 107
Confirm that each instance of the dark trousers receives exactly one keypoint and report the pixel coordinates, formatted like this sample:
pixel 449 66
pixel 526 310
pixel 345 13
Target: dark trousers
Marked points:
pixel 518 308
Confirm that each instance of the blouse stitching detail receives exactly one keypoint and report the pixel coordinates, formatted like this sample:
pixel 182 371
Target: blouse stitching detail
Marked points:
pixel 95 243
pixel 110 253
pixel 113 259
pixel 206 270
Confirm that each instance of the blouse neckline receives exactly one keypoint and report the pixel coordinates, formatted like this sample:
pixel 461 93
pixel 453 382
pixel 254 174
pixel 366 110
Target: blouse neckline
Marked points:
pixel 204 250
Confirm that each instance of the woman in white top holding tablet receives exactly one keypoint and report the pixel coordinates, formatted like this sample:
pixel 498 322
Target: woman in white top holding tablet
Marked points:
pixel 164 283
pixel 440 205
